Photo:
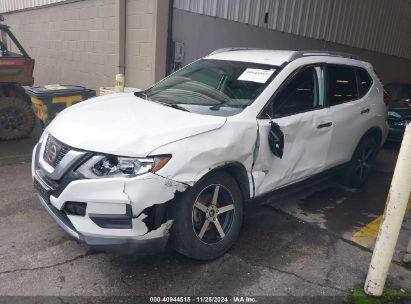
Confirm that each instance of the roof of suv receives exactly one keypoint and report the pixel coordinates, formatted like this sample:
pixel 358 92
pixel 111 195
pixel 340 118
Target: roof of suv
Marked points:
pixel 271 57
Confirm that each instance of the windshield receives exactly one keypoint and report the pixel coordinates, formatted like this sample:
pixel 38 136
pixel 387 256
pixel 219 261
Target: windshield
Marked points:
pixel 214 87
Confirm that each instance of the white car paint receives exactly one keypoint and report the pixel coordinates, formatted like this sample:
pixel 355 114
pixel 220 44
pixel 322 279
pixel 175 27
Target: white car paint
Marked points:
pixel 348 131
pixel 126 125
pixel 138 126
pixel 305 152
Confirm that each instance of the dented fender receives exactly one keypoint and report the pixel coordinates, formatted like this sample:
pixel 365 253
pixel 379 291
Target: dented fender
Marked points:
pixel 151 190
pixel 194 157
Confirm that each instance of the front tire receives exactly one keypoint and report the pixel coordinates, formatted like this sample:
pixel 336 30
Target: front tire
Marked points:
pixel 16 118
pixel 360 166
pixel 207 217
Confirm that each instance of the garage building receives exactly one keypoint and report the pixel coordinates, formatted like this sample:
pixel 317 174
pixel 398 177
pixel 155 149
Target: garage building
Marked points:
pixel 88 41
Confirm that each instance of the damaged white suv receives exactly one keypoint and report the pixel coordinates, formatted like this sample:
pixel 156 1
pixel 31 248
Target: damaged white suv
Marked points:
pixel 176 163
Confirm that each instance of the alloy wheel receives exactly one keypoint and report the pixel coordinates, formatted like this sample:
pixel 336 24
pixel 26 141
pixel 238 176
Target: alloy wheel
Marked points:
pixel 213 214
pixel 364 160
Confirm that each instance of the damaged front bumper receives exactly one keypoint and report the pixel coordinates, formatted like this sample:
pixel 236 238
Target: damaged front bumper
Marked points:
pixel 126 215
pixel 122 245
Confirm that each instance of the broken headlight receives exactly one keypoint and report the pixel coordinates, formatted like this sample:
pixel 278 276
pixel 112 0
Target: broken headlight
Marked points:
pixel 101 166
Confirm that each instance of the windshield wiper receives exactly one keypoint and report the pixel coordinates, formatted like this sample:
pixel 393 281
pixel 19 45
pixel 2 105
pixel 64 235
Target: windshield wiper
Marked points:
pixel 141 94
pixel 217 107
pixel 171 105
pixel 174 106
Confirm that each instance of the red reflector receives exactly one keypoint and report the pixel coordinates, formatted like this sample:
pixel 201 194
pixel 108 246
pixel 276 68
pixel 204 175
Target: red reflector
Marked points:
pixel 6 62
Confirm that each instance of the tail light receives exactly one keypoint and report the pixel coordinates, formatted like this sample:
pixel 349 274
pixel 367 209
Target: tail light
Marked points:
pixel 387 98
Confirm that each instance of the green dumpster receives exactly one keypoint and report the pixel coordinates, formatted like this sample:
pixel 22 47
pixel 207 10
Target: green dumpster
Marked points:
pixel 50 100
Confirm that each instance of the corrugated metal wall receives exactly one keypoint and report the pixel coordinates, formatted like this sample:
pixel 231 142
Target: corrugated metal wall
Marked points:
pixel 15 5
pixel 378 25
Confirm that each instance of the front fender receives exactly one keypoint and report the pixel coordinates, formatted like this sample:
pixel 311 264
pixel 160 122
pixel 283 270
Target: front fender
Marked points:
pixel 192 158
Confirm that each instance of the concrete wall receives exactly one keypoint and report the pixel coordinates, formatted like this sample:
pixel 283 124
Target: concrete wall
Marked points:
pixel 146 38
pixel 202 34
pixel 74 42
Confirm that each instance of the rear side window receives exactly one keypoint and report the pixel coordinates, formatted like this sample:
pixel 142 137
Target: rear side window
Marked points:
pixel 342 84
pixel 365 81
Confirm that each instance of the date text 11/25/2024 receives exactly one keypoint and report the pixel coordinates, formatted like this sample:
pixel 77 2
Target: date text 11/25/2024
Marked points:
pixel 188 299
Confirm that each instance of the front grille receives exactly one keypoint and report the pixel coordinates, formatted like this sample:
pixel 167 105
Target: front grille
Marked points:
pixel 54 151
pixel 52 184
pixel 41 190
pixel 64 150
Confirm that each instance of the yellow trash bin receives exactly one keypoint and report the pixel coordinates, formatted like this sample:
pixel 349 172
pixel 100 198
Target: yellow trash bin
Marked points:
pixel 50 100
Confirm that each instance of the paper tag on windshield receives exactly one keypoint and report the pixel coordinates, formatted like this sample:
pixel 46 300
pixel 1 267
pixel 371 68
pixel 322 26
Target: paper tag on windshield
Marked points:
pixel 256 75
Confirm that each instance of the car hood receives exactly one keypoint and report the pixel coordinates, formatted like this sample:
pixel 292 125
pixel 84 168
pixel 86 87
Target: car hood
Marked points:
pixel 126 125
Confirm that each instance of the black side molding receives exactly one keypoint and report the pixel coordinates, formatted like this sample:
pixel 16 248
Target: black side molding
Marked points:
pixel 113 221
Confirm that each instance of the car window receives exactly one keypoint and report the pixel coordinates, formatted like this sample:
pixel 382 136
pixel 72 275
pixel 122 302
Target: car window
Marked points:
pixel 365 81
pixel 342 84
pixel 299 95
pixel 215 87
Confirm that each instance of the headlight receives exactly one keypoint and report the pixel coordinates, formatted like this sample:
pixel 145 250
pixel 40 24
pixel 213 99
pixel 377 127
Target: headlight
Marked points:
pixel 100 166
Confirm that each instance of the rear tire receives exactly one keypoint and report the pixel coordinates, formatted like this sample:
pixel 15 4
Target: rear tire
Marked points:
pixel 207 217
pixel 360 166
pixel 16 118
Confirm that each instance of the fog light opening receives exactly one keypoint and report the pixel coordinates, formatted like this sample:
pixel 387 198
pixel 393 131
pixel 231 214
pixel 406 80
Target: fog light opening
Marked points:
pixel 75 208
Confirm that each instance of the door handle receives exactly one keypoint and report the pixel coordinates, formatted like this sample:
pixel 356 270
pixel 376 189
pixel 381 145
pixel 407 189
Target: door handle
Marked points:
pixel 325 125
pixel 365 111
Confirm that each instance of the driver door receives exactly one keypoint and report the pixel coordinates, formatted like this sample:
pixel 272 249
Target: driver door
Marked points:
pixel 298 108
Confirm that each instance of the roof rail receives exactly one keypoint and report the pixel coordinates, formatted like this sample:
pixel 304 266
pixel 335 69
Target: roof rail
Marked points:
pixel 296 54
pixel 231 49
pixel 300 54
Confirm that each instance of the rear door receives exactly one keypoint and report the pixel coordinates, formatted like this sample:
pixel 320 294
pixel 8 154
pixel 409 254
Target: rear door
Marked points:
pixel 350 110
pixel 298 109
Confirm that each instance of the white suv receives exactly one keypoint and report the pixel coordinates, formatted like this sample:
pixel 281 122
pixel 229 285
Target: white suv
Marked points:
pixel 177 162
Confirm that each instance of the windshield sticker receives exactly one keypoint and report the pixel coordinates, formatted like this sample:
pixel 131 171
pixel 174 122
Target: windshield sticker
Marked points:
pixel 256 75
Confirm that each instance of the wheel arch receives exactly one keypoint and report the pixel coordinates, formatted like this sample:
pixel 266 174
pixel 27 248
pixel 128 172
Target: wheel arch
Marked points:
pixel 375 132
pixel 237 171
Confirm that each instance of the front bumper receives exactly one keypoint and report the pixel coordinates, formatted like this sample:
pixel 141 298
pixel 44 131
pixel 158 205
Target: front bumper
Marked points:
pixel 118 213
pixel 125 246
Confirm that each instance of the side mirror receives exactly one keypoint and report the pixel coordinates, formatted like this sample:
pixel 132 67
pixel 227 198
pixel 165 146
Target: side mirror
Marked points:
pixel 276 140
